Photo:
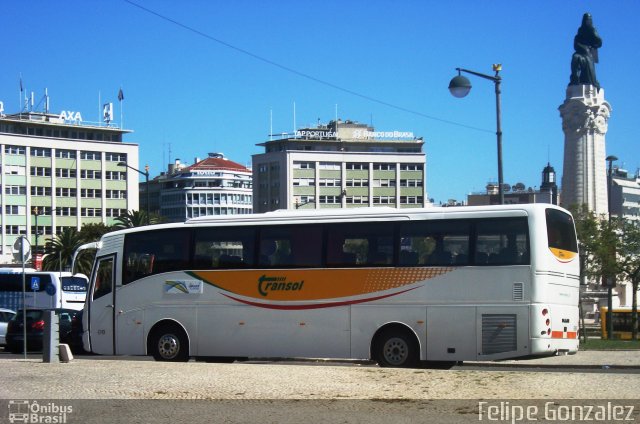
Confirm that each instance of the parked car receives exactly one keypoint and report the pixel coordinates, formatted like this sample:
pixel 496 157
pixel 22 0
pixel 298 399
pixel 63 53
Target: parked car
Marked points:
pixel 5 317
pixel 35 329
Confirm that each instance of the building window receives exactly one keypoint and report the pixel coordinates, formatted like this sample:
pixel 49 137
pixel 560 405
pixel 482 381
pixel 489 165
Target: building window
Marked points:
pixel 304 165
pixel 15 169
pixel 90 155
pixel 15 230
pixel 410 183
pixel 357 182
pixel 383 200
pixel 42 229
pixel 384 183
pixel 15 190
pixel 14 150
pixel 353 166
pixel 65 211
pixel 115 157
pixel 384 166
pixel 66 173
pixel 41 153
pixel 40 191
pixel 330 166
pixel 411 200
pixel 39 171
pixel 329 182
pixel 304 182
pixel 114 212
pixel 15 210
pixel 91 212
pixel 330 199
pixel 115 175
pixel 411 167
pixel 65 154
pixel 116 194
pixel 357 200
pixel 90 193
pixel 90 174
pixel 66 192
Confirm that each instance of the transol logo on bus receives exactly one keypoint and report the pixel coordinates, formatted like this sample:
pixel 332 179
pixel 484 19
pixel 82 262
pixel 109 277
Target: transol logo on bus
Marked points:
pixel 272 284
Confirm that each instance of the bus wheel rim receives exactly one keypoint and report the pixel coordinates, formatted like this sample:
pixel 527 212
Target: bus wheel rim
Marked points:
pixel 168 346
pixel 396 351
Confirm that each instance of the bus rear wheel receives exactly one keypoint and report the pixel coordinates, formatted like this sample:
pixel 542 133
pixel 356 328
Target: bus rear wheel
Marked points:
pixel 396 348
pixel 169 343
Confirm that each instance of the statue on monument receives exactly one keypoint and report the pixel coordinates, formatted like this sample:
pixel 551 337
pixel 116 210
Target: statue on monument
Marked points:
pixel 586 44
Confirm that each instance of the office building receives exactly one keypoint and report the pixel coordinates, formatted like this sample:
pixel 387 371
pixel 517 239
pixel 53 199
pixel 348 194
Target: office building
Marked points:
pixel 60 171
pixel 340 165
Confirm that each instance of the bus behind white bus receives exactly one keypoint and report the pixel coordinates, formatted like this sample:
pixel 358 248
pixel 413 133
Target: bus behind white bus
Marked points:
pixel 395 286
pixel 43 289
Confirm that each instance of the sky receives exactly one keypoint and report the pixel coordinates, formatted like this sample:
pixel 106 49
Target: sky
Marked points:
pixel 215 76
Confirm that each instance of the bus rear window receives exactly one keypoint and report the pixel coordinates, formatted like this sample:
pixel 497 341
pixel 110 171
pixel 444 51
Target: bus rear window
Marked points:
pixel 74 284
pixel 561 232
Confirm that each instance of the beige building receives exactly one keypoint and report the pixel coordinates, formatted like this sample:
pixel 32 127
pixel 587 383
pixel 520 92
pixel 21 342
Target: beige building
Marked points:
pixel 59 171
pixel 340 165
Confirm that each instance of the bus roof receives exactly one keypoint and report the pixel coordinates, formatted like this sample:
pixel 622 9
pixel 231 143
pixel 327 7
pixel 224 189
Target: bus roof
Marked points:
pixel 351 214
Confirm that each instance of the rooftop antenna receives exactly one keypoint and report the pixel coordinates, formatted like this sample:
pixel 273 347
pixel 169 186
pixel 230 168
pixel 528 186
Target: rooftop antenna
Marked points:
pixel 336 121
pixel 294 119
pixel 46 101
pixel 271 124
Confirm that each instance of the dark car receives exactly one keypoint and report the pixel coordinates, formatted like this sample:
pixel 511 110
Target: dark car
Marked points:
pixel 35 329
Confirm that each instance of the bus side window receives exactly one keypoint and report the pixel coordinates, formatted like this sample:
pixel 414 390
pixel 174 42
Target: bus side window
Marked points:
pixel 361 244
pixel 435 243
pixel 502 242
pixel 224 248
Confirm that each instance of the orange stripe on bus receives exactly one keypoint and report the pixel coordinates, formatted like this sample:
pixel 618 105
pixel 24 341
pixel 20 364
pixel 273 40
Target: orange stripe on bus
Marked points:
pixel 315 284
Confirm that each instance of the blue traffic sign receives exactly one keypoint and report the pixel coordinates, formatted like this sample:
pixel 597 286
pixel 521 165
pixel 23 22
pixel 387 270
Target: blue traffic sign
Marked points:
pixel 35 283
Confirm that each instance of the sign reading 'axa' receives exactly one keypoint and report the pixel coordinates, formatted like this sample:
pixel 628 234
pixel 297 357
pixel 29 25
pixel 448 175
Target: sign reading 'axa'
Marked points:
pixel 69 115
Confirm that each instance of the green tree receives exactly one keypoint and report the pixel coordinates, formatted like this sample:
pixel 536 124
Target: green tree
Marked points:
pixel 610 248
pixel 93 232
pixel 58 252
pixel 133 219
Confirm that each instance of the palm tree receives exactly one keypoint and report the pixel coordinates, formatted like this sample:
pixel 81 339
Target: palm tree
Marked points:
pixel 133 219
pixel 59 250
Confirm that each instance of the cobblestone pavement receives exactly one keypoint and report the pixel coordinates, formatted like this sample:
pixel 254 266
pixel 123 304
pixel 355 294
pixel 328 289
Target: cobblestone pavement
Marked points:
pixel 98 378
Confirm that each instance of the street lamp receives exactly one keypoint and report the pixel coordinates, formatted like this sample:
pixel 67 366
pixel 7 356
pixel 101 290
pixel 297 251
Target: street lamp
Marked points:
pixel 146 178
pixel 460 87
pixel 37 211
pixel 610 279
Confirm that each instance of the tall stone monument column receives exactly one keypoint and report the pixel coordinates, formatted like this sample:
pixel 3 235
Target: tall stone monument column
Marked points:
pixel 585 114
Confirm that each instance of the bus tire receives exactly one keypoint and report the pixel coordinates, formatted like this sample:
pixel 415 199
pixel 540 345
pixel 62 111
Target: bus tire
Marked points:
pixel 168 342
pixel 397 348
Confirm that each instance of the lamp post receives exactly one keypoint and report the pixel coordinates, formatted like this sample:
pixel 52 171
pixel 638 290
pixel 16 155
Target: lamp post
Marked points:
pixel 460 87
pixel 37 211
pixel 610 279
pixel 146 178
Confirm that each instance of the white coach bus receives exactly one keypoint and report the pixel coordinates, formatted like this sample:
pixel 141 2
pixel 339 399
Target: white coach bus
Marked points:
pixel 396 286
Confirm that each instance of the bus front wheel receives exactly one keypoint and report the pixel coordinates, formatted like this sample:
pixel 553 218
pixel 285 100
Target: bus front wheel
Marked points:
pixel 169 343
pixel 396 348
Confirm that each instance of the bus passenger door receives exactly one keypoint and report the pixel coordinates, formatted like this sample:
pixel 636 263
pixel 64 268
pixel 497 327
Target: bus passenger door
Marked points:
pixel 102 307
